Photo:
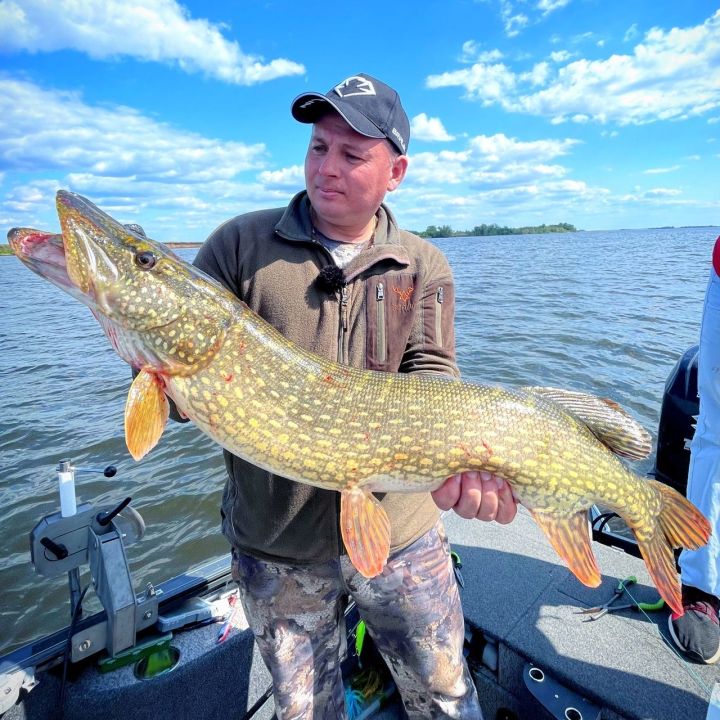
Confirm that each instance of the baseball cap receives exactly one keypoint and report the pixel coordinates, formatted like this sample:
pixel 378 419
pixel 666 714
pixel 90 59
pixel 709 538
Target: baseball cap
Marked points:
pixel 368 105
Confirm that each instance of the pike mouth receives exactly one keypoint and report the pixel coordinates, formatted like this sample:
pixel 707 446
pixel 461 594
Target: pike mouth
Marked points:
pixel 44 253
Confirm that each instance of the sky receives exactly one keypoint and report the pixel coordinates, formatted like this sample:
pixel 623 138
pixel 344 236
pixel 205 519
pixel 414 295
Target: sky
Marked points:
pixel 176 115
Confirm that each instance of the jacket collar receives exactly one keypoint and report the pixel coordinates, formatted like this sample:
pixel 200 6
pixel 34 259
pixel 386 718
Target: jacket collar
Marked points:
pixel 295 225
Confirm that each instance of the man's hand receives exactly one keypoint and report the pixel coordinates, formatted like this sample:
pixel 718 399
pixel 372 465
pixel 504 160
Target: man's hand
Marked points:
pixel 480 495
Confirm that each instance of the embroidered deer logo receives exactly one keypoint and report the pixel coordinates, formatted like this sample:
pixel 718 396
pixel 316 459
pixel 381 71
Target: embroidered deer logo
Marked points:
pixel 404 294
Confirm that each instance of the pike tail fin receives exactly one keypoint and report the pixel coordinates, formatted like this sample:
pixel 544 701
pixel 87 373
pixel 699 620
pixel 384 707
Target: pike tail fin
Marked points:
pixel 365 531
pixel 680 525
pixel 146 412
pixel 570 537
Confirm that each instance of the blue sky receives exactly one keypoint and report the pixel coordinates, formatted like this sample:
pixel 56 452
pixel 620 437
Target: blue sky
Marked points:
pixel 599 113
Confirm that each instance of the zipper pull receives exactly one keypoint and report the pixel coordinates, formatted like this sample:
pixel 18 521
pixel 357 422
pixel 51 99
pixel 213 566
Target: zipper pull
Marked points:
pixel 344 304
pixel 380 291
pixel 440 294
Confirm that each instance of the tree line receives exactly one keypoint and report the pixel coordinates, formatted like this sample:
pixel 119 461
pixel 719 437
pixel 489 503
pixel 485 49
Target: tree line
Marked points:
pixel 445 231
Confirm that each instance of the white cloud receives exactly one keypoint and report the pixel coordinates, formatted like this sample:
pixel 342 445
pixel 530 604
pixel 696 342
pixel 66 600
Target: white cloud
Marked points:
pixel 430 129
pixel 517 15
pixel 672 74
pixel 538 75
pixel 488 83
pixel 151 30
pixel 661 170
pixel 496 160
pixel 473 52
pixel 631 33
pixel 43 130
pixel 290 178
pixel 127 163
pixel 662 192
pixel 548 6
pixel 513 22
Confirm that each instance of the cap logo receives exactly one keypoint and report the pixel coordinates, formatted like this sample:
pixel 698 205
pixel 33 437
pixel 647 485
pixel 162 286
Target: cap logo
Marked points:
pixel 355 85
pixel 399 138
pixel 310 102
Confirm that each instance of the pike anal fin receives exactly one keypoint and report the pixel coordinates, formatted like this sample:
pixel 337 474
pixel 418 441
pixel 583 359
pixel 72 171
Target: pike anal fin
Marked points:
pixel 365 531
pixel 570 537
pixel 146 412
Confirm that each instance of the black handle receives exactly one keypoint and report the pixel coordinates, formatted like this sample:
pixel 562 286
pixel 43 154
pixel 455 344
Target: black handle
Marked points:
pixel 59 551
pixel 105 518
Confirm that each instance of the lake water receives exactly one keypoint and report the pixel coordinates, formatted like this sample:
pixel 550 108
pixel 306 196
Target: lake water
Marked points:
pixel 602 312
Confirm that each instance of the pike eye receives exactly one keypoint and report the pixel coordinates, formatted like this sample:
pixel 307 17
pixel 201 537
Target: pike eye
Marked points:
pixel 145 260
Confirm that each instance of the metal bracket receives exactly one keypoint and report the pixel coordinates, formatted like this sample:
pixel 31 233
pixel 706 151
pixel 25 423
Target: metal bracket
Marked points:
pixel 62 544
pixel 561 702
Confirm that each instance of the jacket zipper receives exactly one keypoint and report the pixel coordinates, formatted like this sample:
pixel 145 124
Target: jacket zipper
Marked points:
pixel 343 324
pixel 439 298
pixel 380 319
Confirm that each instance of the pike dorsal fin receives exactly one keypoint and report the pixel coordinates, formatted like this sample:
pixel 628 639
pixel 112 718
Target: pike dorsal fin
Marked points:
pixel 610 423
pixel 146 412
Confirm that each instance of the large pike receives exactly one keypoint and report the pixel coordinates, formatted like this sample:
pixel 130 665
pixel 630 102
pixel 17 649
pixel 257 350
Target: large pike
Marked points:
pixel 355 431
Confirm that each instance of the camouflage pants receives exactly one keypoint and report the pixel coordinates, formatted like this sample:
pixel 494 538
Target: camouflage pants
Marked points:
pixel 412 612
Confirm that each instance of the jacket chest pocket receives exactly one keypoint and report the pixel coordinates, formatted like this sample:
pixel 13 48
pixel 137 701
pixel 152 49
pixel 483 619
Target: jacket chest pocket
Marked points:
pixel 438 316
pixel 391 308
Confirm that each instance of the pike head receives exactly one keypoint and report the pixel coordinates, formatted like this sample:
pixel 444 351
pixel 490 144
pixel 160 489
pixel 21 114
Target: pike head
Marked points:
pixel 160 313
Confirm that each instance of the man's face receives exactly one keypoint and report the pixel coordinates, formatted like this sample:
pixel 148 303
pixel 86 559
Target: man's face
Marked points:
pixel 348 174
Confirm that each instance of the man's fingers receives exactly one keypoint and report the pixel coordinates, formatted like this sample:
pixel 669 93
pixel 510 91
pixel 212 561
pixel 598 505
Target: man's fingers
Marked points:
pixel 471 495
pixel 477 494
pixel 448 493
pixel 507 507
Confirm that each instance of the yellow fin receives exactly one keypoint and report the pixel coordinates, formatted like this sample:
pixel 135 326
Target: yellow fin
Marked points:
pixel 680 524
pixel 365 531
pixel 146 412
pixel 570 536
pixel 610 423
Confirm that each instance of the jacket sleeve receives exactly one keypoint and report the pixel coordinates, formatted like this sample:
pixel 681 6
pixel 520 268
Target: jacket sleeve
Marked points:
pixel 218 256
pixel 431 347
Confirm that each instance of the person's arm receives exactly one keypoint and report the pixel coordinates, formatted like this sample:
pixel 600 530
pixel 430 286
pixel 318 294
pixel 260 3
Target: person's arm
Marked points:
pixel 430 349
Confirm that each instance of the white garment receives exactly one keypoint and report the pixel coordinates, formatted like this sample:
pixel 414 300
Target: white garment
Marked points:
pixel 701 568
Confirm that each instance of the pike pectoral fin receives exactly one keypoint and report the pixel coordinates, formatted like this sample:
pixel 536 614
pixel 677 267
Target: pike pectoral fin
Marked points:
pixel 570 536
pixel 146 412
pixel 609 422
pixel 365 531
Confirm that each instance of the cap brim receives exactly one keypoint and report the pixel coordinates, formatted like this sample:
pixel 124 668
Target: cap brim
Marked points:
pixel 305 111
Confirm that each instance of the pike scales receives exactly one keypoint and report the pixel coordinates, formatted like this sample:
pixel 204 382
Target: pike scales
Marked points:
pixel 354 431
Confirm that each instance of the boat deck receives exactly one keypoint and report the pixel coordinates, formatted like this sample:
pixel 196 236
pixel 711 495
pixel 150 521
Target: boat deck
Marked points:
pixel 520 603
pixel 519 593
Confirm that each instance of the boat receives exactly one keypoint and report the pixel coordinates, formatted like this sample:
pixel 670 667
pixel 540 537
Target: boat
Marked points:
pixel 183 649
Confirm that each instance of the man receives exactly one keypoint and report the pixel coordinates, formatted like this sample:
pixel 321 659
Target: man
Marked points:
pixel 334 273
pixel 697 631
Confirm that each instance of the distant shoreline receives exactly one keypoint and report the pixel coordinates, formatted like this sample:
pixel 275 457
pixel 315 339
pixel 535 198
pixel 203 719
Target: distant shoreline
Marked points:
pixel 5 249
